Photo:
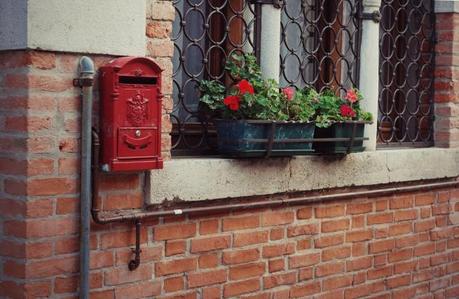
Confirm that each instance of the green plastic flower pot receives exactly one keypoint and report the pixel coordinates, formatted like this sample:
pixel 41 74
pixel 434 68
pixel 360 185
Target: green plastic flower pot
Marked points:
pixel 241 138
pixel 340 130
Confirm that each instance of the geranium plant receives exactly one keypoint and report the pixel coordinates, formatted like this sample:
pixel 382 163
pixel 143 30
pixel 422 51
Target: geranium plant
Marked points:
pixel 252 97
pixel 330 108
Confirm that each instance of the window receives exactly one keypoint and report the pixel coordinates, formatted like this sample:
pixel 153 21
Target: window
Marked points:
pixel 407 33
pixel 319 48
pixel 320 44
pixel 205 33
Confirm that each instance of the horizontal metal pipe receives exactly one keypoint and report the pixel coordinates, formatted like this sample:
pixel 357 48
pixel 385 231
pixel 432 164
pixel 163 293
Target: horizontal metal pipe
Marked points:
pixel 266 203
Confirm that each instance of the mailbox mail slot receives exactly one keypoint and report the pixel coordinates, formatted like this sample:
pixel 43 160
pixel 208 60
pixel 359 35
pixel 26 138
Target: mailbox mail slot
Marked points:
pixel 130 122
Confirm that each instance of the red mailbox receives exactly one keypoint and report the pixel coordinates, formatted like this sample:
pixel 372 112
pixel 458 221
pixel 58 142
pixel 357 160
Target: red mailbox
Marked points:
pixel 130 89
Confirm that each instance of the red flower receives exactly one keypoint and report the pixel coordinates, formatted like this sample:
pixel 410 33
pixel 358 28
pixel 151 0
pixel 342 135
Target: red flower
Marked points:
pixel 352 96
pixel 347 111
pixel 232 102
pixel 244 87
pixel 289 92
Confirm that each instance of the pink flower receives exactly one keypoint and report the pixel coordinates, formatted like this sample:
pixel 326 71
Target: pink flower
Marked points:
pixel 347 111
pixel 289 92
pixel 232 102
pixel 352 96
pixel 244 87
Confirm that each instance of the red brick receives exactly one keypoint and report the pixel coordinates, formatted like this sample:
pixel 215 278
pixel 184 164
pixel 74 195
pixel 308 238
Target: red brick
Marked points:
pixel 209 244
pixel 379 273
pixel 329 211
pixel 398 281
pixel 206 278
pixel 67 205
pixel 303 290
pixel 277 218
pixel 276 265
pixel 329 241
pixel 380 218
pixel 208 227
pixel 40 208
pixel 424 249
pixel 337 282
pixel 244 239
pixel 211 292
pixel 305 213
pixel 246 271
pixel 105 294
pixel 175 266
pixel 123 201
pixel 306 229
pixel 241 256
pixel 336 253
pixel 278 250
pixel 240 223
pixel 139 290
pixel 49 83
pixel 276 234
pixel 171 232
pixel 276 280
pixel 303 260
pixel 364 290
pixel 41 60
pixel 401 202
pixel 358 221
pixel 326 269
pixel 405 215
pixel 48 227
pixel 149 253
pixel 121 239
pixel 401 255
pixel 51 186
pixel 241 287
pixel 174 284
pixel 12 207
pixel 102 259
pixel 405 267
pixel 359 208
pixel 335 225
pixel 51 267
pixel 305 274
pixel 175 247
pixel 118 182
pixel 381 246
pixel 359 235
pixel 208 261
pixel 424 199
pixel 421 226
pixel 400 229
pixel 303 244
pixel 358 264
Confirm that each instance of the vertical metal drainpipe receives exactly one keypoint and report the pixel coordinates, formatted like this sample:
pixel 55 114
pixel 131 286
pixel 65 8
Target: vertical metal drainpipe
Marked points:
pixel 85 81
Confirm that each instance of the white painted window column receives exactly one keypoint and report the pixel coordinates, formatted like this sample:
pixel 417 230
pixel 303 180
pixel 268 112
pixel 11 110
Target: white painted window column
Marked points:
pixel 369 68
pixel 270 41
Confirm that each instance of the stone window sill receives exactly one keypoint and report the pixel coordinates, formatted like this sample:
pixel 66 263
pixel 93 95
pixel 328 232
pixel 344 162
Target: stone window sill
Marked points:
pixel 198 179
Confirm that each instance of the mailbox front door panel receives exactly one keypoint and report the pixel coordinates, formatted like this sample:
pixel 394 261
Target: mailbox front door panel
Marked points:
pixel 136 143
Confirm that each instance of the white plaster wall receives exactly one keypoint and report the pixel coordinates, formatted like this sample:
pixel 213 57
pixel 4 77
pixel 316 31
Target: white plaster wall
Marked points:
pixel 87 26
pixel 13 24
pixel 445 6
pixel 190 179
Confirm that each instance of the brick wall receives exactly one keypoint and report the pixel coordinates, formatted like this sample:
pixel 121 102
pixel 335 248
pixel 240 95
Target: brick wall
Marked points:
pixel 446 86
pixel 394 246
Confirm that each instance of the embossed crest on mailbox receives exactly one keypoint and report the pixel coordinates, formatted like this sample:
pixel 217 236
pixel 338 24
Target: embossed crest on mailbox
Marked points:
pixel 130 89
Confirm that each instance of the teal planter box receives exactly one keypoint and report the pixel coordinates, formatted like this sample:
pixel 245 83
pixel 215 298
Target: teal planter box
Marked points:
pixel 340 130
pixel 250 138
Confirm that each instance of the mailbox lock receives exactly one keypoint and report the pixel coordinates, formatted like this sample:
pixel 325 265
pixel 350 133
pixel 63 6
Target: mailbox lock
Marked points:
pixel 137 133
